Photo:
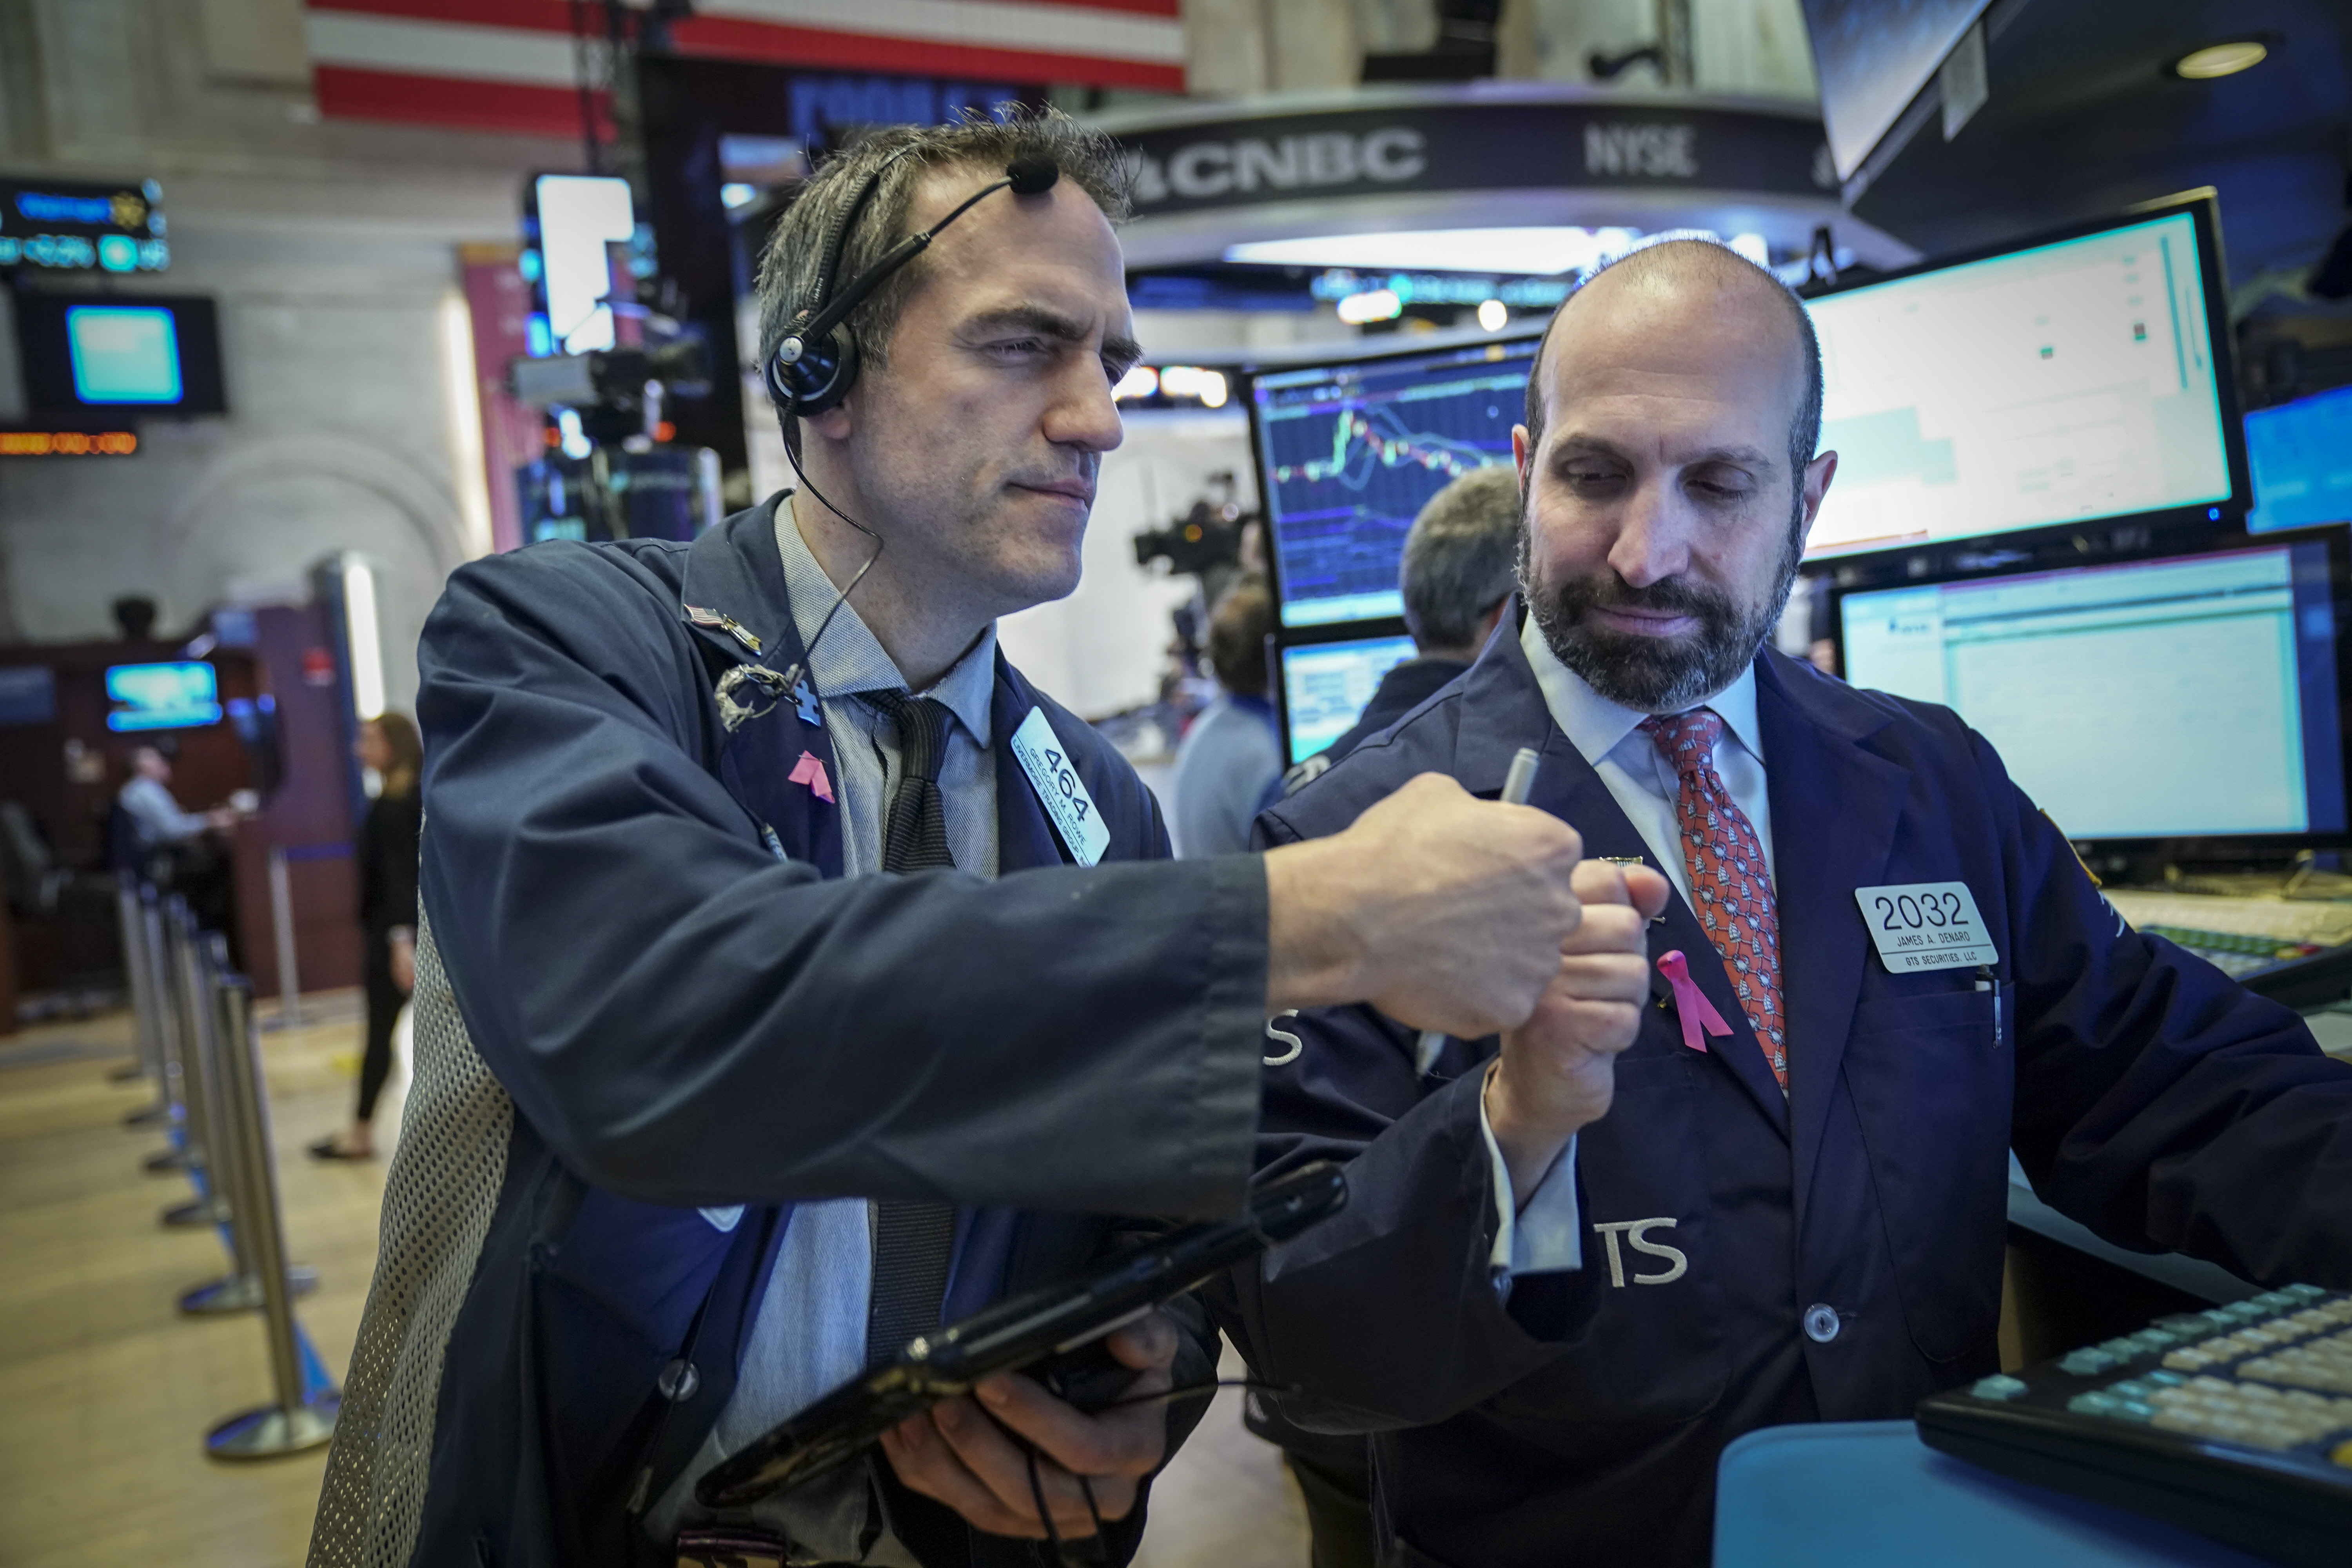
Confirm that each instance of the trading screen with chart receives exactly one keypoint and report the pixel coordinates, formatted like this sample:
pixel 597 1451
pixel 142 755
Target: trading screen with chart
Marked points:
pixel 2190 696
pixel 1348 454
pixel 2059 383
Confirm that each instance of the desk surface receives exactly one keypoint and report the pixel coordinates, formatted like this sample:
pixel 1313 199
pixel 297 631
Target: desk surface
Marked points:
pixel 1865 1494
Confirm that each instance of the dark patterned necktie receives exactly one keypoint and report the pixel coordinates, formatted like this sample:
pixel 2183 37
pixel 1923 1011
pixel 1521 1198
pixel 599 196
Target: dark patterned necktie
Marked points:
pixel 1729 884
pixel 913 1241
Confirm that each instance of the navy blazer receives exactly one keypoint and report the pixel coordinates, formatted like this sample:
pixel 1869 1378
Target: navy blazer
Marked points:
pixel 699 1023
pixel 1576 1416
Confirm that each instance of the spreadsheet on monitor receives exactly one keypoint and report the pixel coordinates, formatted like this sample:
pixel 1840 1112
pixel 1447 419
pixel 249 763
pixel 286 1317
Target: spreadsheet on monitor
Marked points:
pixel 2059 384
pixel 1325 686
pixel 2193 696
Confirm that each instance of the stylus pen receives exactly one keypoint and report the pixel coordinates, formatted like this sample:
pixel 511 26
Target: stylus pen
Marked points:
pixel 1517 784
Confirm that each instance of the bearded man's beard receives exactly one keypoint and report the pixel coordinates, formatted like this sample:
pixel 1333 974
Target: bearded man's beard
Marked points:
pixel 1655 674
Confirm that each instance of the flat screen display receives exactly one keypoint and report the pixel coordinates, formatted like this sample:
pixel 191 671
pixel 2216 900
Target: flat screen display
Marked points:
pixel 162 696
pixel 2301 456
pixel 1325 687
pixel 116 354
pixel 1350 452
pixel 2058 384
pixel 2190 696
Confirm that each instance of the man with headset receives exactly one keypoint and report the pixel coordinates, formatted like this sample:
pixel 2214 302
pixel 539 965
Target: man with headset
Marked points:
pixel 785 981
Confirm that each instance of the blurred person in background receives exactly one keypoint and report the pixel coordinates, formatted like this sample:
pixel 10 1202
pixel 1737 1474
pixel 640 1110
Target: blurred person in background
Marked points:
pixel 175 848
pixel 1233 753
pixel 389 748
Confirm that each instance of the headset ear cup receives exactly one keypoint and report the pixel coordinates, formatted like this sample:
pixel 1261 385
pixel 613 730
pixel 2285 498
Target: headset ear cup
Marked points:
pixel 817 382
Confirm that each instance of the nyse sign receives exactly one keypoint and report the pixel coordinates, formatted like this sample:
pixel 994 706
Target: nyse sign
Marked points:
pixel 1659 152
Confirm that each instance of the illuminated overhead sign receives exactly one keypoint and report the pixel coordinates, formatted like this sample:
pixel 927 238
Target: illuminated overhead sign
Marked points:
pixel 68 226
pixel 42 441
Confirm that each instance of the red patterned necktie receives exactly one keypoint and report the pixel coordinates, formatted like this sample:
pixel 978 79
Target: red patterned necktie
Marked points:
pixel 1729 884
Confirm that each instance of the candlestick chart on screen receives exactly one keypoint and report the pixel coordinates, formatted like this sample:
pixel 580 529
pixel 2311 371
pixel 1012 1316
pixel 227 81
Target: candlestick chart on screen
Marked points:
pixel 1351 461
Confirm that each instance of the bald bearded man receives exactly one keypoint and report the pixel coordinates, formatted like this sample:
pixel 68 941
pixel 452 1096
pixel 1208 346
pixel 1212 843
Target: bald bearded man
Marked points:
pixel 1766 1182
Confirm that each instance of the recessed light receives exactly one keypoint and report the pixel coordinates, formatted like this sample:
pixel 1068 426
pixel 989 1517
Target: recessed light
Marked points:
pixel 2221 59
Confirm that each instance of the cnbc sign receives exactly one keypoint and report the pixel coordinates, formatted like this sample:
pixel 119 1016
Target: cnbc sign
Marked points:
pixel 66 225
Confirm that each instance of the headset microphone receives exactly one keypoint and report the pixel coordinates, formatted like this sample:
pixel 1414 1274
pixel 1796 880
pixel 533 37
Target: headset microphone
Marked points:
pixel 814 368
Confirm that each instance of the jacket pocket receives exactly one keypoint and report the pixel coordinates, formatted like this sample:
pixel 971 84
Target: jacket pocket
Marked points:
pixel 1932 1078
pixel 1654 1350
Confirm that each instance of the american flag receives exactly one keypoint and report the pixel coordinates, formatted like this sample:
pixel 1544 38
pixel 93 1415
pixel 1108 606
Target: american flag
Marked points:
pixel 512 65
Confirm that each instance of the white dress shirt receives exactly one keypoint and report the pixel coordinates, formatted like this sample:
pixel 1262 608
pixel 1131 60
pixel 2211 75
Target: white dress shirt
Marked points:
pixel 1544 1234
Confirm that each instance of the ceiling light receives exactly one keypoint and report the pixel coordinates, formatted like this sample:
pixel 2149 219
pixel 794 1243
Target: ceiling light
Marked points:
pixel 2220 59
pixel 1528 252
pixel 1494 315
pixel 1371 305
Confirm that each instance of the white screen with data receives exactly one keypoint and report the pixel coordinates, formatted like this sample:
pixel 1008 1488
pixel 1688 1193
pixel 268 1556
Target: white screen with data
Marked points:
pixel 2159 700
pixel 2063 383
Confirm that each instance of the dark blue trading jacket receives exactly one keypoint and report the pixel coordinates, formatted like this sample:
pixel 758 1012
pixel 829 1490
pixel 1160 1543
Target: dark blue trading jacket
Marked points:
pixel 684 1021
pixel 1579 1419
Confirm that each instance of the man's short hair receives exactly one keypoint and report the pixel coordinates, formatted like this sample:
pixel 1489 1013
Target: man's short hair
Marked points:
pixel 1459 557
pixel 1664 253
pixel 794 256
pixel 1237 632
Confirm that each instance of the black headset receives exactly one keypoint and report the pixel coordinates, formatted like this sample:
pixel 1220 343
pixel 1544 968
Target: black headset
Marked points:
pixel 816 364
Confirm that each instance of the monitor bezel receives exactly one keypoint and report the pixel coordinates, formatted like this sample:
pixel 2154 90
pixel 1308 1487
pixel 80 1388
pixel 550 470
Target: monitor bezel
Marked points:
pixel 1377 629
pixel 2189 848
pixel 1248 381
pixel 2203 208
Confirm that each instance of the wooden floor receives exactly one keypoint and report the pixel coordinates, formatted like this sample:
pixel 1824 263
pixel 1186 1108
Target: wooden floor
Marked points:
pixel 106 1390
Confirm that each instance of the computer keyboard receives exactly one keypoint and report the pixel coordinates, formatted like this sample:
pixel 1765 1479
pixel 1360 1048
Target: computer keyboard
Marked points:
pixel 2239 936
pixel 2235 1423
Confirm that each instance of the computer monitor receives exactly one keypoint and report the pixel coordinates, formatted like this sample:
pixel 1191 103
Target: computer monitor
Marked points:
pixel 2301 455
pixel 1872 58
pixel 115 354
pixel 1325 686
pixel 162 696
pixel 2182 697
pixel 1349 451
pixel 2083 377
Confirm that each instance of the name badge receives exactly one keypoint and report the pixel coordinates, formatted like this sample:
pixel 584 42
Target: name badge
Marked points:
pixel 1925 925
pixel 1059 789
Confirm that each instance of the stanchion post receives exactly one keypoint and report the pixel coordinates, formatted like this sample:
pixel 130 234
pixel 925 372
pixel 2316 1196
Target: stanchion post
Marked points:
pixel 168 936
pixel 149 1061
pixel 204 965
pixel 300 1418
pixel 239 1290
pixel 281 924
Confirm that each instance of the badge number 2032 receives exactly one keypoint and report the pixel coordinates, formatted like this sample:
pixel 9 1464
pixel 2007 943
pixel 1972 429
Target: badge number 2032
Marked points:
pixel 1925 925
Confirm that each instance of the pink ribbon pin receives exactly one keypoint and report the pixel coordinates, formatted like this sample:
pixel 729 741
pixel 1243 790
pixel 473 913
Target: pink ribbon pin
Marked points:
pixel 809 772
pixel 1690 1003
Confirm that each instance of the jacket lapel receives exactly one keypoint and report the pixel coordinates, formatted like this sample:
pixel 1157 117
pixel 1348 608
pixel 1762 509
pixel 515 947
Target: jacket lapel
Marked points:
pixel 1834 810
pixel 1502 706
pixel 735 606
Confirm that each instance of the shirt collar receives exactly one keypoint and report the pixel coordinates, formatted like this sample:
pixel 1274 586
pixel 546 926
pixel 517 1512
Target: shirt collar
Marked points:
pixel 850 659
pixel 1595 725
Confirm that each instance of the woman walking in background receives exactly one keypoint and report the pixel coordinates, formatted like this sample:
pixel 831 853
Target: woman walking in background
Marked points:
pixel 387 864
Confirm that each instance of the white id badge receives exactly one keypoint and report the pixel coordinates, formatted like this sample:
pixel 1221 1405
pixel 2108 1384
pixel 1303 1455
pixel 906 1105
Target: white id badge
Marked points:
pixel 1925 925
pixel 1059 789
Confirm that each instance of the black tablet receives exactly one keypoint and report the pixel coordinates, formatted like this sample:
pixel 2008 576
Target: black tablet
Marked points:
pixel 1017 1333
